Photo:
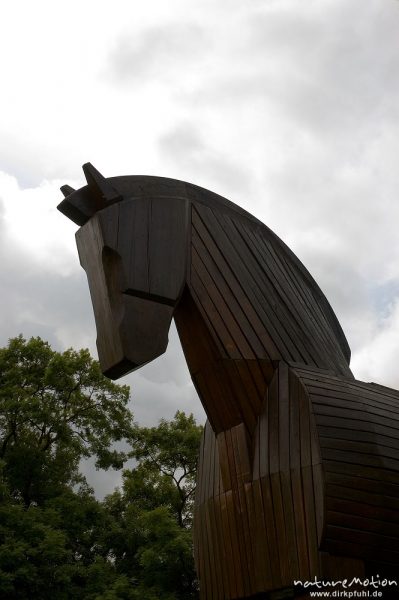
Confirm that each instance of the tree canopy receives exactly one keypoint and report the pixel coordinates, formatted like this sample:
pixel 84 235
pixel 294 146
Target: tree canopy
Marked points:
pixel 56 539
pixel 55 409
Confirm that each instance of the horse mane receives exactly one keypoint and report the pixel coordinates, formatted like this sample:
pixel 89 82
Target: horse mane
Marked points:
pixel 274 281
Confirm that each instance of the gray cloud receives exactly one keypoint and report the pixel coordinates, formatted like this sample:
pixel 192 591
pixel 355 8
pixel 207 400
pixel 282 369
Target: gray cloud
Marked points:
pixel 324 70
pixel 289 109
pixel 156 53
pixel 184 148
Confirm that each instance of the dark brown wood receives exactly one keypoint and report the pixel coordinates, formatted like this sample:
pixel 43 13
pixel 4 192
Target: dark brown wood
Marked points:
pixel 298 473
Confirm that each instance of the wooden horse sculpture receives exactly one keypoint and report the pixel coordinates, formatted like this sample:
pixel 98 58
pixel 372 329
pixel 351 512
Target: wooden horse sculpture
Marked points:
pixel 298 472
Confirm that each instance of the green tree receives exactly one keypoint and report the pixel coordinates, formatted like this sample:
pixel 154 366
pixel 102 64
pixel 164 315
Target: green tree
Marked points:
pixel 56 540
pixel 152 539
pixel 55 409
pixel 169 453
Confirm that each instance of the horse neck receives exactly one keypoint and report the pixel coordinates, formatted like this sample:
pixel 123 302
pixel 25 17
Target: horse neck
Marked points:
pixel 248 304
pixel 230 385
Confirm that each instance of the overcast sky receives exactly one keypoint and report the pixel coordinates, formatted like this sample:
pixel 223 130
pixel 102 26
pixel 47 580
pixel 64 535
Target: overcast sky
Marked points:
pixel 288 108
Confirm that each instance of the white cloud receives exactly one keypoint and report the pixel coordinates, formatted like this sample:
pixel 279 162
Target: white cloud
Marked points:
pixel 377 360
pixel 32 223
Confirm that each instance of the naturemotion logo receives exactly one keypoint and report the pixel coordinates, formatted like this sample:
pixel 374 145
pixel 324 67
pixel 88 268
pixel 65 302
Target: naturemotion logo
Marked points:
pixel 347 588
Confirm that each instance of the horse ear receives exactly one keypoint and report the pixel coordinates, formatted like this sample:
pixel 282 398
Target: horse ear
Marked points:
pixel 66 190
pixel 81 205
pixel 101 189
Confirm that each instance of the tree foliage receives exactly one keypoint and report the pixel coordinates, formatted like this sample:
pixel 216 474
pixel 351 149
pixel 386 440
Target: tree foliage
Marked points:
pixel 56 539
pixel 55 409
pixel 154 510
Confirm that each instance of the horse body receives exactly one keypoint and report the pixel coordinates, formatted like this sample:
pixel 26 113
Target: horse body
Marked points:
pixel 286 475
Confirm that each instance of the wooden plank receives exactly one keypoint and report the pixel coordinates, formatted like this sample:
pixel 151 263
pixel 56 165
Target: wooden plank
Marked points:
pixel 256 445
pixel 357 550
pixel 237 513
pixel 357 458
pixel 212 465
pixel 264 438
pixel 353 397
pixel 318 350
pixel 237 565
pixel 338 568
pixel 201 550
pixel 192 324
pixel 332 399
pixel 334 341
pixel 273 426
pixel 359 470
pixel 362 538
pixel 327 385
pixel 199 490
pixel 220 274
pixel 211 552
pixel 134 226
pixel 306 453
pixel 359 447
pixel 319 489
pixel 355 521
pixel 224 461
pixel 231 458
pixel 222 331
pixel 110 225
pixel 249 389
pixel 230 562
pixel 361 483
pixel 296 482
pixel 206 226
pixel 339 433
pixel 323 333
pixel 307 283
pixel 207 464
pixel 223 303
pixel 294 418
pixel 223 540
pixel 288 507
pixel 282 541
pixel 244 397
pixel 283 417
pixel 301 290
pixel 261 542
pixel 167 247
pixel 248 273
pixel 242 461
pixel 311 521
pixel 272 532
pixel 353 424
pixel 248 540
pixel 270 285
pixel 300 525
pixel 374 498
pixel 357 507
pixel 218 556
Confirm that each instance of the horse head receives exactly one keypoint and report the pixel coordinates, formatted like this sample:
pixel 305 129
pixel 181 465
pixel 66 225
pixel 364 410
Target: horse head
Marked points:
pixel 132 244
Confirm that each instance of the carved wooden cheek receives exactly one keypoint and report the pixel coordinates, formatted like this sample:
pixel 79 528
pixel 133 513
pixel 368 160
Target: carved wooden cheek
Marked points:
pixel 90 243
